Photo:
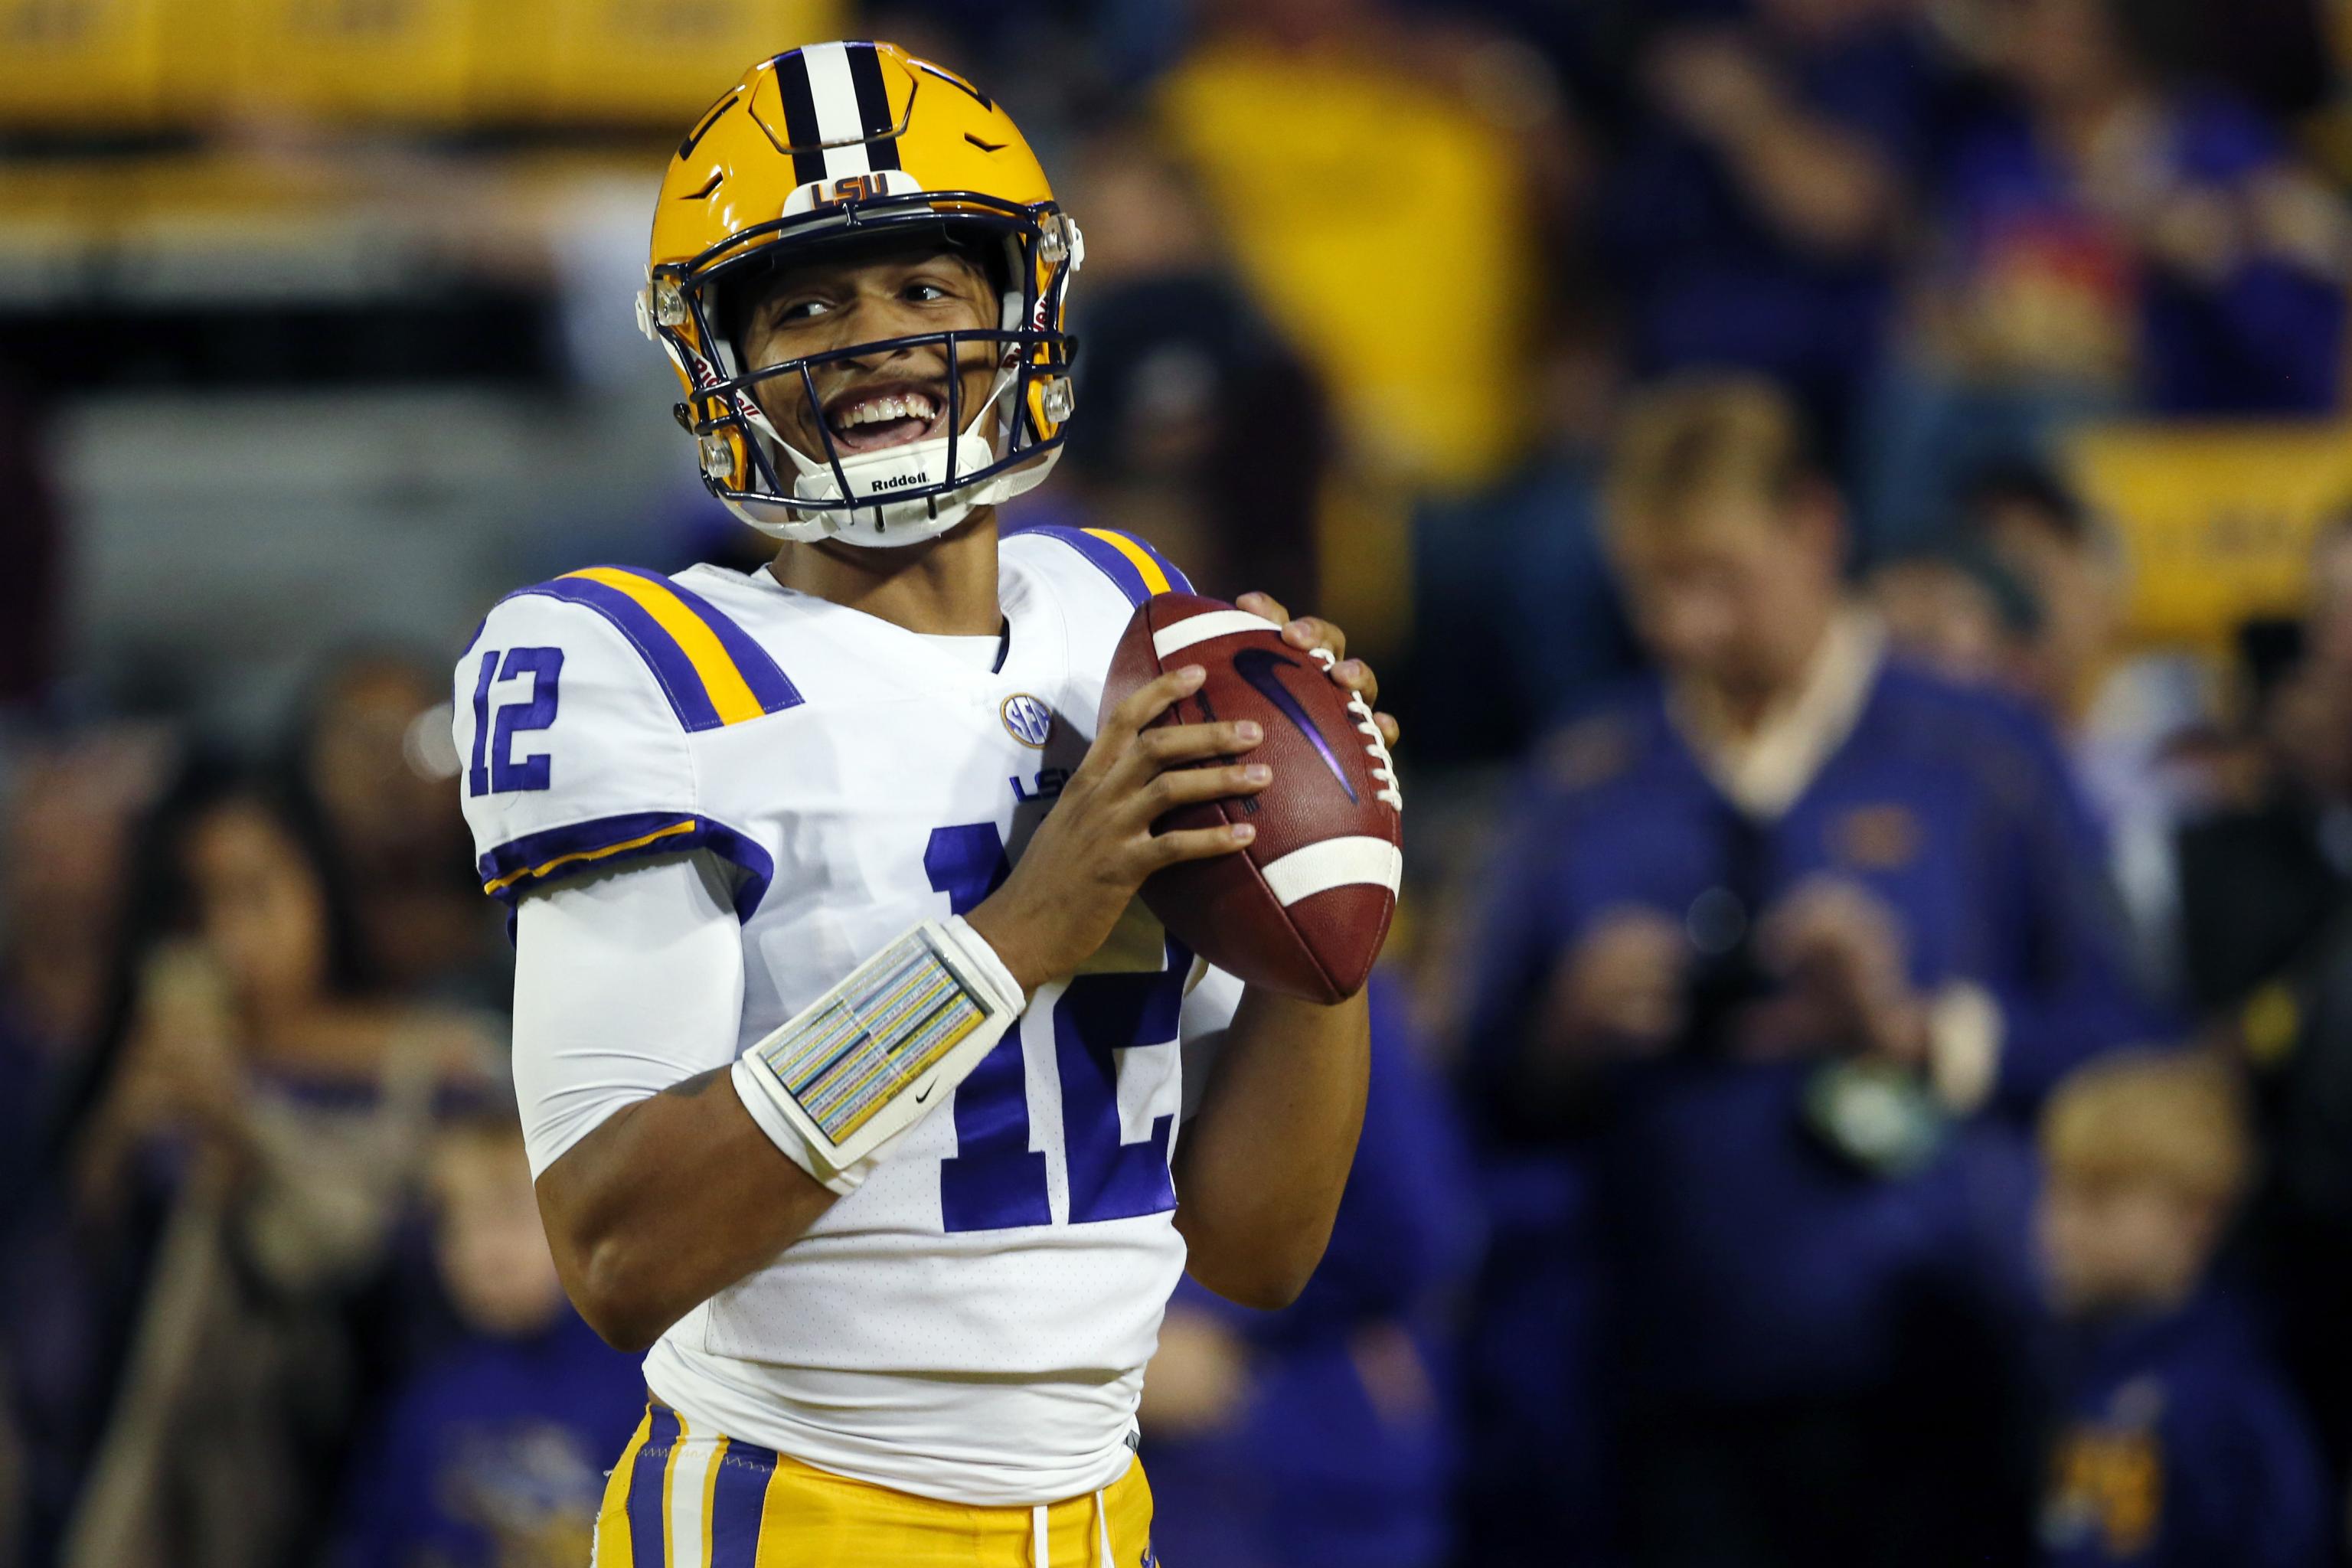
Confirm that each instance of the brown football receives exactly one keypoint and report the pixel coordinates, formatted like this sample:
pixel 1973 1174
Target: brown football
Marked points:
pixel 1305 907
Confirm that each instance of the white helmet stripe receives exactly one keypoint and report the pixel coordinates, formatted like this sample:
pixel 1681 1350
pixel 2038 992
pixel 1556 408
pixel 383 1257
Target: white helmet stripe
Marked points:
pixel 838 119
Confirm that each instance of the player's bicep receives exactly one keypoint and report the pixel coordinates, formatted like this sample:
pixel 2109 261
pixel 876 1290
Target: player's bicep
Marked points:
pixel 626 982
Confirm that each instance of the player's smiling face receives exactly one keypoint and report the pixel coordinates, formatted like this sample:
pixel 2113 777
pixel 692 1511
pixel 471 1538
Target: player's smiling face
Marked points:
pixel 892 395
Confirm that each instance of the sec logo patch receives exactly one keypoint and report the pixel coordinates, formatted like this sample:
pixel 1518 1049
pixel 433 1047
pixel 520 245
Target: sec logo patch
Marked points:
pixel 1029 720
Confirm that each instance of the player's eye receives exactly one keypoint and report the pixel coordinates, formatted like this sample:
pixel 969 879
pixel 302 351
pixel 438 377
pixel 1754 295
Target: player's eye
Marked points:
pixel 799 310
pixel 924 292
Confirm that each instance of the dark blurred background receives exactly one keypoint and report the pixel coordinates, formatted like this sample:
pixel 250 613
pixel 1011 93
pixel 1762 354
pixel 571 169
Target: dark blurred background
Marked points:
pixel 1850 499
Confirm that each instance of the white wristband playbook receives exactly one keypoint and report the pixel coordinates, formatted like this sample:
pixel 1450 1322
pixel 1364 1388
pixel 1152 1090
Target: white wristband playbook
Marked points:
pixel 878 1051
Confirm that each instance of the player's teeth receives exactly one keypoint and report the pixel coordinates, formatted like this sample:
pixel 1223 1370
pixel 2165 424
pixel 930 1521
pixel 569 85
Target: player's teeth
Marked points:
pixel 876 411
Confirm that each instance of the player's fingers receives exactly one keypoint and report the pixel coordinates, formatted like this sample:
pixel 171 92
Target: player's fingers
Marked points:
pixel 1198 843
pixel 1147 701
pixel 1170 744
pixel 1387 725
pixel 1184 786
pixel 1311 631
pixel 1354 675
pixel 1265 604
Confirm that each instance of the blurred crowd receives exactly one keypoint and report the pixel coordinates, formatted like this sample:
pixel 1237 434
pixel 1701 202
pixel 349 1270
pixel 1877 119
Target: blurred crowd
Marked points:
pixel 1865 1071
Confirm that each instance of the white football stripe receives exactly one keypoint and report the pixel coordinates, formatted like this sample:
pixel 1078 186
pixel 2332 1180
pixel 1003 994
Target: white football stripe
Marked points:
pixel 1202 628
pixel 1334 863
pixel 838 124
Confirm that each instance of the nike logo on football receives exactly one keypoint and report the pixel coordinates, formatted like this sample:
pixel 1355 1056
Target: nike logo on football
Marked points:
pixel 1257 667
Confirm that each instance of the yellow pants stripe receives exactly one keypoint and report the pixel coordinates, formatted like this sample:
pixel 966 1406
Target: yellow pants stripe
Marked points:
pixel 614 1547
pixel 727 1505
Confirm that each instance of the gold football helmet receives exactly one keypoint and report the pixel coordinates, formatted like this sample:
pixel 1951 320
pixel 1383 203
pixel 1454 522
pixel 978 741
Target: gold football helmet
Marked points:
pixel 825 143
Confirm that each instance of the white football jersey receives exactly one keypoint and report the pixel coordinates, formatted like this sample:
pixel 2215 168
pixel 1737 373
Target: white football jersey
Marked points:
pixel 972 1323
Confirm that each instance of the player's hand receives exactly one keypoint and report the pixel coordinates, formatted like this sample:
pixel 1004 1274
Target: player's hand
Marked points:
pixel 1842 952
pixel 1095 846
pixel 1312 634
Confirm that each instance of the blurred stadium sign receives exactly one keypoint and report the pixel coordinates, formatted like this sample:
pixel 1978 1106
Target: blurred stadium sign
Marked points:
pixel 108 67
pixel 2216 519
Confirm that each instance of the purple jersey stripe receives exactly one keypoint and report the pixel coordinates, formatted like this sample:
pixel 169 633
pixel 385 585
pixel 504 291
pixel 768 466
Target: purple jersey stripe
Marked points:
pixel 647 1521
pixel 539 859
pixel 1106 558
pixel 736 1501
pixel 773 689
pixel 679 682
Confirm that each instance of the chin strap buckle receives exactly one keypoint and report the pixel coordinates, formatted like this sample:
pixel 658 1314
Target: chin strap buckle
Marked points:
pixel 717 457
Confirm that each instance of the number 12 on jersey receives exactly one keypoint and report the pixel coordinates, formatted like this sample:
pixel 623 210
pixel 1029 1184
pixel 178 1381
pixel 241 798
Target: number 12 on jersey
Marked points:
pixel 995 1181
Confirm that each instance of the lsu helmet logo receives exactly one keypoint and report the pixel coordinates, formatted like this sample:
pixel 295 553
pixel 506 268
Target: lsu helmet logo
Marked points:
pixel 1028 721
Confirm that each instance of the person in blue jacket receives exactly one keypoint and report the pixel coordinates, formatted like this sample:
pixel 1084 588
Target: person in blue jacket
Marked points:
pixel 494 1455
pixel 1796 935
pixel 2177 1443
pixel 1321 1436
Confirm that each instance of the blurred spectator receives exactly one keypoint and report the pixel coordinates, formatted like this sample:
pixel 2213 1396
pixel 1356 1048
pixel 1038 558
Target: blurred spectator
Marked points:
pixel 1752 218
pixel 2119 713
pixel 2261 881
pixel 1772 920
pixel 2266 905
pixel 65 869
pixel 1515 618
pixel 374 761
pixel 253 1142
pixel 493 1456
pixel 2178 1444
pixel 1950 606
pixel 1319 1437
pixel 65 864
pixel 1381 186
pixel 2112 238
pixel 1202 431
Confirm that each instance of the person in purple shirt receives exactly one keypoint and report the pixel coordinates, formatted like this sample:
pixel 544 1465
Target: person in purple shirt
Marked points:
pixel 2110 238
pixel 1755 213
pixel 493 1456
pixel 2176 1444
pixel 1783 944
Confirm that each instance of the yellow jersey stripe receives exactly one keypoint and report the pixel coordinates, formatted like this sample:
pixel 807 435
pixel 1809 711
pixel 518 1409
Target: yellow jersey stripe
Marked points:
pixel 511 877
pixel 614 1547
pixel 729 694
pixel 1153 577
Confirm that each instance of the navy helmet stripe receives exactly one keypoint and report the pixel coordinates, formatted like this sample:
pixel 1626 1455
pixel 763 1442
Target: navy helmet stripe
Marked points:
pixel 800 116
pixel 874 106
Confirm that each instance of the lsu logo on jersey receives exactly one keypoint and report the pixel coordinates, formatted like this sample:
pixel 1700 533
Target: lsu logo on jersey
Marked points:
pixel 1027 719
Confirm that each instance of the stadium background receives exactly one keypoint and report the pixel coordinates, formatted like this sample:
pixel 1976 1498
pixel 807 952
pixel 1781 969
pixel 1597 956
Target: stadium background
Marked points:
pixel 316 336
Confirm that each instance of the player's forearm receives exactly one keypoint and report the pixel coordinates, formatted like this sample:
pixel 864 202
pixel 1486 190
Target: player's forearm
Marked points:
pixel 1260 1167
pixel 667 1203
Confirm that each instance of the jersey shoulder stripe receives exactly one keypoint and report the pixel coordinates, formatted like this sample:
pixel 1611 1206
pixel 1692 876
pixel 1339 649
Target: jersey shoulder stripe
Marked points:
pixel 513 868
pixel 1139 570
pixel 710 670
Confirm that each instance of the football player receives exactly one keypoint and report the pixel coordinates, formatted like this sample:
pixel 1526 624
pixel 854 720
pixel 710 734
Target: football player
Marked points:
pixel 851 1068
